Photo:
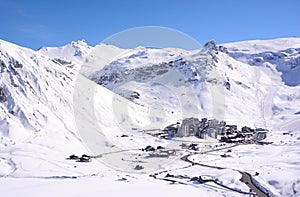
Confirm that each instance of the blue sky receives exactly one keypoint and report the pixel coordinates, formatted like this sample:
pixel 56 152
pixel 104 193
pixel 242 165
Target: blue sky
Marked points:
pixel 53 23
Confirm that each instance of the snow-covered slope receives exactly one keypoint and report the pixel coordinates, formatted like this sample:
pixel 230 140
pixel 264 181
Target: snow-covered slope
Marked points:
pixel 258 46
pixel 186 83
pixel 279 58
pixel 75 51
pixel 253 83
pixel 284 54
pixel 36 110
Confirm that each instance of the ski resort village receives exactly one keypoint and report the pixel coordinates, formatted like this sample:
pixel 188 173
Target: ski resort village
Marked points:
pixel 215 129
pixel 218 131
pixel 221 120
pixel 190 138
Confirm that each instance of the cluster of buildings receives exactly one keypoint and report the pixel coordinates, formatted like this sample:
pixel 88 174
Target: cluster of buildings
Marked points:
pixel 194 127
pixel 213 128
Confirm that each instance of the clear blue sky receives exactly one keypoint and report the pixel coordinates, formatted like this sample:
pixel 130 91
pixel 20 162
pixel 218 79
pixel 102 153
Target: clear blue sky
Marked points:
pixel 36 23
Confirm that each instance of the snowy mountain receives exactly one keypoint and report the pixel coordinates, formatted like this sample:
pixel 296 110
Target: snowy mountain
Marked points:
pixel 36 108
pixel 279 59
pixel 252 83
pixel 75 51
pixel 237 82
pixel 283 53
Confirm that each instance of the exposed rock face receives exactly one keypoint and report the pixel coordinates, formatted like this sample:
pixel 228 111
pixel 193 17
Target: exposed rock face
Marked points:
pixel 213 49
pixel 211 45
pixel 3 97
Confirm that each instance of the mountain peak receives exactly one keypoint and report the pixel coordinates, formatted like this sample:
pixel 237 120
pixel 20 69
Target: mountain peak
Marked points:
pixel 74 51
pixel 79 43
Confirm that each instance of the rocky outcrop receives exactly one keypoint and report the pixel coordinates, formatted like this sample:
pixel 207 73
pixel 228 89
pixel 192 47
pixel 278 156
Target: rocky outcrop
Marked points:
pixel 3 97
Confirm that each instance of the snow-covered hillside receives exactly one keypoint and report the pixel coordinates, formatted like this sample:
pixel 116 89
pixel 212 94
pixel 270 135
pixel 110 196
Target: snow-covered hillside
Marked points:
pixel 211 82
pixel 282 53
pixel 118 92
pixel 36 110
pixel 279 60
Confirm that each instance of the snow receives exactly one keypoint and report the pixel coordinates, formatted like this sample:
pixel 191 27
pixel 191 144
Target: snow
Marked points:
pixel 258 46
pixel 94 186
pixel 283 54
pixel 55 107
pixel 74 51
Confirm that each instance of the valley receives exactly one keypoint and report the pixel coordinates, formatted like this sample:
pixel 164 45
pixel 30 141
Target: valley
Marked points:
pixel 129 111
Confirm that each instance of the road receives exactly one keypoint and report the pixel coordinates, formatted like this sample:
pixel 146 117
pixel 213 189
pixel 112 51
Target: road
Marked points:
pixel 246 177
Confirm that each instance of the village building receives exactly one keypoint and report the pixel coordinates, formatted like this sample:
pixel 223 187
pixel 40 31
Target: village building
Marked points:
pixel 189 127
pixel 194 127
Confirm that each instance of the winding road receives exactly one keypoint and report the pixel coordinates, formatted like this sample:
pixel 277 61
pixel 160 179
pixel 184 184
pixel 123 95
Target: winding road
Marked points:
pixel 246 177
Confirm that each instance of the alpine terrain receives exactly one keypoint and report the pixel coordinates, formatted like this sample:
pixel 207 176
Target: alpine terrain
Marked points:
pixel 114 105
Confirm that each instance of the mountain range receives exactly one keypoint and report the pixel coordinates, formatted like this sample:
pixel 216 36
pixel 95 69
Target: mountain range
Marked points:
pixel 59 100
